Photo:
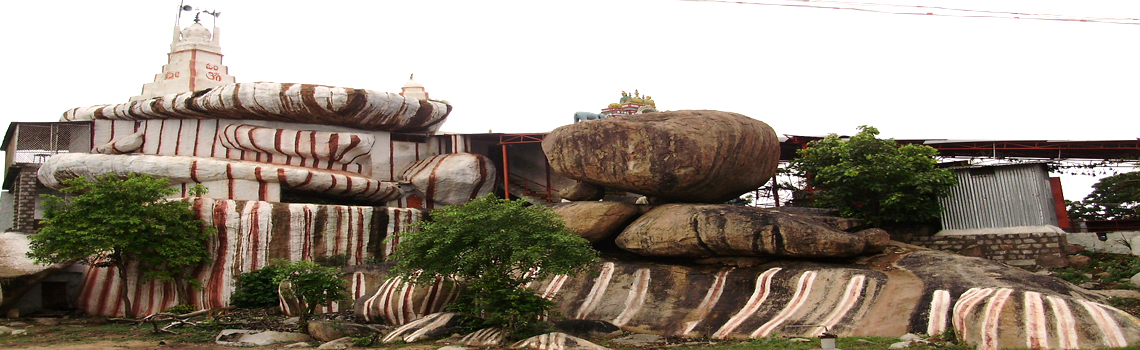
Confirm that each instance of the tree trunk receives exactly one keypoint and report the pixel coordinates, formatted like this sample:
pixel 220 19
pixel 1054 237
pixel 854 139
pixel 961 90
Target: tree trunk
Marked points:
pixel 33 280
pixel 124 291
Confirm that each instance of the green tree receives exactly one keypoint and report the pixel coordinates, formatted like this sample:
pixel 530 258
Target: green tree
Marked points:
pixel 113 222
pixel 874 179
pixel 1112 198
pixel 258 288
pixel 492 248
pixel 312 285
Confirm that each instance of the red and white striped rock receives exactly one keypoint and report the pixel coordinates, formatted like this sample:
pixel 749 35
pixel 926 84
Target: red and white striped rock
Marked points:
pixel 321 149
pixel 452 179
pixel 990 305
pixel 250 235
pixel 125 144
pixel 224 178
pixel 297 103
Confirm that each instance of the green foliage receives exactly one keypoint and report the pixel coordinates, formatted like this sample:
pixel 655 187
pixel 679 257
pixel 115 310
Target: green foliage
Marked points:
pixel 257 289
pixel 1104 271
pixel 313 284
pixel 1112 198
pixel 492 247
pixel 115 221
pixel 1071 275
pixel 875 179
pixel 181 309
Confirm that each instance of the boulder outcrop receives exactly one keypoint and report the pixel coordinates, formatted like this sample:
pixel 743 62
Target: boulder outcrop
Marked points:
pixel 707 230
pixel 684 156
pixel 906 289
pixel 595 221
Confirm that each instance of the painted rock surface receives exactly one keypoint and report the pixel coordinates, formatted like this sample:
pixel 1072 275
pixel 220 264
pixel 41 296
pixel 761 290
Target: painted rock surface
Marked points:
pixel 905 290
pixel 183 170
pixel 251 234
pixel 706 230
pixel 595 221
pixel 684 156
pixel 452 179
pixel 296 103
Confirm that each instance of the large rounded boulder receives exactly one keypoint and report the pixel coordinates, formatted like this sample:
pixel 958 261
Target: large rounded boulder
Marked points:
pixel 685 156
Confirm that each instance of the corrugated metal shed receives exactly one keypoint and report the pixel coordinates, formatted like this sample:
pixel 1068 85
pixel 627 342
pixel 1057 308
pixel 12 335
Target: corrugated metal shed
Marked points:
pixel 999 196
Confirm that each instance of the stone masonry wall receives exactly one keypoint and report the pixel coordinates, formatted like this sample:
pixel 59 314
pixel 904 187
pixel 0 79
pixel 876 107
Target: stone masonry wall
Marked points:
pixel 25 191
pixel 1030 251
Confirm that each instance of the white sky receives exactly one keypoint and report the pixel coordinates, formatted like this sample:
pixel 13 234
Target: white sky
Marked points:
pixel 527 66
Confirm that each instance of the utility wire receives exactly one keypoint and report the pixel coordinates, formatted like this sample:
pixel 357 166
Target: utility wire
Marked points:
pixel 929 11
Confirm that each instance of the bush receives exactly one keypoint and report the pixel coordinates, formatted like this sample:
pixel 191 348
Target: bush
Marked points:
pixel 492 247
pixel 874 179
pixel 312 284
pixel 257 289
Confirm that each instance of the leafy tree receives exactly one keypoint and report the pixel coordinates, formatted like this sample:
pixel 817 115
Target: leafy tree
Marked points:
pixel 115 221
pixel 875 179
pixel 1112 198
pixel 492 248
pixel 312 285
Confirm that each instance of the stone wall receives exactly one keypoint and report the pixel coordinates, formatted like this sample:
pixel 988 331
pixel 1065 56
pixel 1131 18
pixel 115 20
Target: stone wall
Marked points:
pixel 25 190
pixel 1030 251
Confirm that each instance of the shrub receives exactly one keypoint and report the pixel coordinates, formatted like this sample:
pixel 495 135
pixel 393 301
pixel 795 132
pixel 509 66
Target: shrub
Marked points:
pixel 257 289
pixel 492 247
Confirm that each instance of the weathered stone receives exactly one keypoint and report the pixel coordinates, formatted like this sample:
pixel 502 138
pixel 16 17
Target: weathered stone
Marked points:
pixel 1052 261
pixel 243 337
pixel 331 330
pixel 586 328
pixel 973 250
pixel 452 179
pixel 484 338
pixel 595 221
pixel 582 191
pixel 706 230
pixel 1079 261
pixel 734 261
pixel 14 261
pixel 338 344
pixel 284 102
pixel 1074 248
pixel 887 295
pixel 428 327
pixel 684 156
pixel 556 340
pixel 877 239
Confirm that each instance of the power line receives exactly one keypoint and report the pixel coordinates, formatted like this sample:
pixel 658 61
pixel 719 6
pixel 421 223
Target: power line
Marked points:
pixel 927 11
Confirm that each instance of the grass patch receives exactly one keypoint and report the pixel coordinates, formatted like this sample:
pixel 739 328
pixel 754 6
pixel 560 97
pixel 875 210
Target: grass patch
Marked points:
pixel 1104 271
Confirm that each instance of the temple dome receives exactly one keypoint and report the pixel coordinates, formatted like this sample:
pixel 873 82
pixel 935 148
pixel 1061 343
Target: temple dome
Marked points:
pixel 196 33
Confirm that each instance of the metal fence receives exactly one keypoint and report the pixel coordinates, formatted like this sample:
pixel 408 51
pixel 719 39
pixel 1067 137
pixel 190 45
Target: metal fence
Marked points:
pixel 36 142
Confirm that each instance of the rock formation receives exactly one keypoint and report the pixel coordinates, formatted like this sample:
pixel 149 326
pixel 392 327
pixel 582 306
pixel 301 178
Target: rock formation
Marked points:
pixel 697 231
pixel 684 156
pixel 907 289
pixel 304 103
pixel 452 179
pixel 595 221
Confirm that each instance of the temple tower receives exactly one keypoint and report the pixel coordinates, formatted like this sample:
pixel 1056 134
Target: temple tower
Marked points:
pixel 194 63
pixel 413 89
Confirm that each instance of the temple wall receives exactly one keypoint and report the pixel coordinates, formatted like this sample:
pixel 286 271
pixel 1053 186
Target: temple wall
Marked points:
pixel 251 234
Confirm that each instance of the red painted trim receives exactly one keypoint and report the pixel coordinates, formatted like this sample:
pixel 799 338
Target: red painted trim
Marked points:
pixel 1059 204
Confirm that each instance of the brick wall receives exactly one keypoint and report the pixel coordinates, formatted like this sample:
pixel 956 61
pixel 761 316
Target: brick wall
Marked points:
pixel 1030 251
pixel 25 190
